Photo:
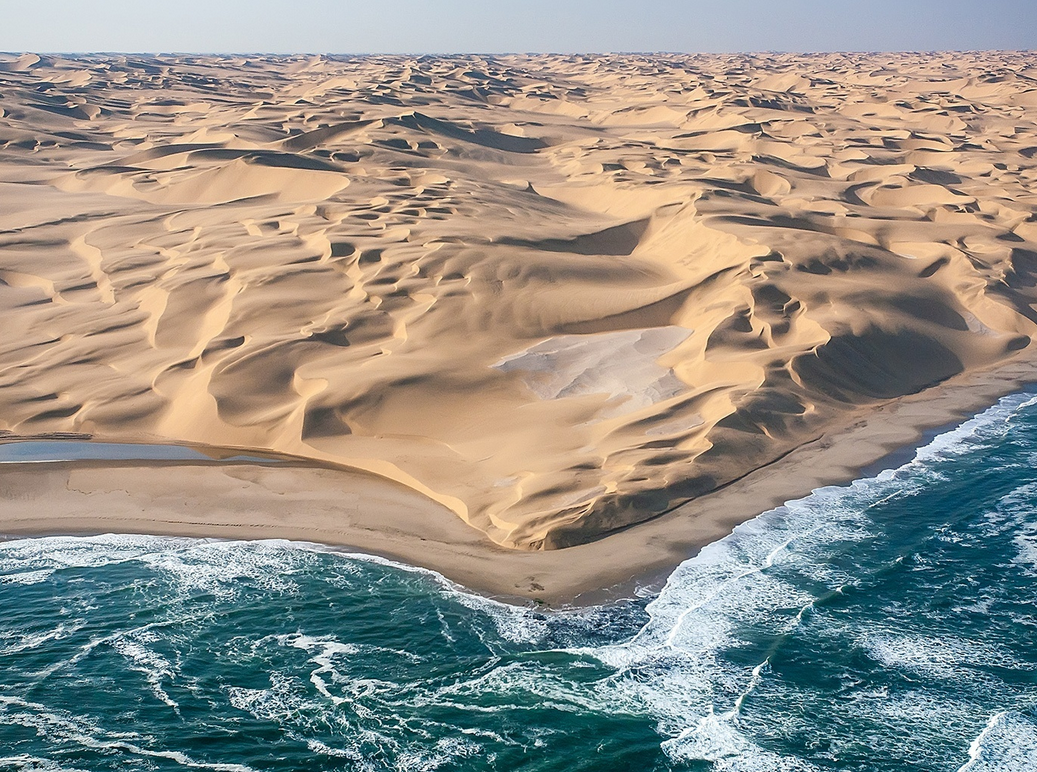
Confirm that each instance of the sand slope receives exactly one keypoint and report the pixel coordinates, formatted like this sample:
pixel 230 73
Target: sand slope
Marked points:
pixel 556 295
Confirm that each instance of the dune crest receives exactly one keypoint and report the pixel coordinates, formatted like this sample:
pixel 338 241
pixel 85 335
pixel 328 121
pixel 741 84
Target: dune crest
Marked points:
pixel 559 295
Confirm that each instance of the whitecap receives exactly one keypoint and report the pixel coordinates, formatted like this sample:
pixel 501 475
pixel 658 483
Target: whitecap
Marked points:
pixel 944 657
pixel 27 577
pixel 445 751
pixel 1007 742
pixel 24 761
pixel 76 731
pixel 716 739
pixel 26 642
pixel 155 668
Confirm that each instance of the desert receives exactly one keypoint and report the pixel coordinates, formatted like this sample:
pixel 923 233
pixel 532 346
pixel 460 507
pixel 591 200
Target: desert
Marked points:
pixel 545 324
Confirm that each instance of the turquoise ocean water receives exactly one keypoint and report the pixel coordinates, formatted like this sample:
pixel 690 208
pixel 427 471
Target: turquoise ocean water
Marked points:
pixel 888 625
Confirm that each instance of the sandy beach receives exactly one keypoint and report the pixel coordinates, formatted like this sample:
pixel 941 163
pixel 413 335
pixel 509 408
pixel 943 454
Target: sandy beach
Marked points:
pixel 372 515
pixel 546 325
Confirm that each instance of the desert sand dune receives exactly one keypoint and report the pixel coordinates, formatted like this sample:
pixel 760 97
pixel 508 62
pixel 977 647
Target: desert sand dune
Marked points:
pixel 558 295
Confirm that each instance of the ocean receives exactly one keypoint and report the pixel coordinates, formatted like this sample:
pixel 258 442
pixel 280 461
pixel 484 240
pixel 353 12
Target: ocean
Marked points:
pixel 889 625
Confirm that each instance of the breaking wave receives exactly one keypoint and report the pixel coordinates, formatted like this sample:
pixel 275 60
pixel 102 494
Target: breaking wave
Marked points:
pixel 881 625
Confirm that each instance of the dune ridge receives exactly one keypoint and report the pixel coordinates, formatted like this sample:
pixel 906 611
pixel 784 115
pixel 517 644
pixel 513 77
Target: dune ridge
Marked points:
pixel 558 295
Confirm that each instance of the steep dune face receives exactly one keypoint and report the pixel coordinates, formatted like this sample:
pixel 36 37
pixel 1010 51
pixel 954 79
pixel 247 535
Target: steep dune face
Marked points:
pixel 558 295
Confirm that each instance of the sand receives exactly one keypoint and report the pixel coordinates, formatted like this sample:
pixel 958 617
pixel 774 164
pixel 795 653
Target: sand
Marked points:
pixel 517 308
pixel 374 516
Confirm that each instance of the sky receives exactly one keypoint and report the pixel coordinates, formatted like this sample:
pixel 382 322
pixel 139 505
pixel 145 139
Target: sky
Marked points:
pixel 516 26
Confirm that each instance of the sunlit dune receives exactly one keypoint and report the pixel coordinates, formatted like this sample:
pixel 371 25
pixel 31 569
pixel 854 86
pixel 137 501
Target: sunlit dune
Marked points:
pixel 556 295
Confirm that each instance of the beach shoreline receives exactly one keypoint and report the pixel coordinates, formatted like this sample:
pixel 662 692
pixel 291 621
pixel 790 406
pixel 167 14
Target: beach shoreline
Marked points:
pixel 606 287
pixel 356 512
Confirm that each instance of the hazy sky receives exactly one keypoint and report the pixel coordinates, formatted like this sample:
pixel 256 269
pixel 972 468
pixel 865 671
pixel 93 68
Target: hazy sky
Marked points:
pixel 491 26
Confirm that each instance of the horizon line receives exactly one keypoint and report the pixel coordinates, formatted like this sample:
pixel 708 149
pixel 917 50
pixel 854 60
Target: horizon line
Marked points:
pixel 661 52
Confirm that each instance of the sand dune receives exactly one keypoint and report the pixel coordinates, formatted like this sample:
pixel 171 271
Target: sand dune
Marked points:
pixel 556 295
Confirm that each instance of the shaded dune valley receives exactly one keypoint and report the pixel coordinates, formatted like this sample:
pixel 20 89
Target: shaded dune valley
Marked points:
pixel 542 299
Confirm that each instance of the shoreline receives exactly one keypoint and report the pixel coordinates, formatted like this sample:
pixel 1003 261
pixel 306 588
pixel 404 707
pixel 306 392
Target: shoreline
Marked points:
pixel 557 311
pixel 356 512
